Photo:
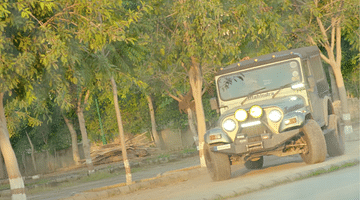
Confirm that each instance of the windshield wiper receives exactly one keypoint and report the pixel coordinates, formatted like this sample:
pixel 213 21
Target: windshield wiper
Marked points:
pixel 282 87
pixel 251 93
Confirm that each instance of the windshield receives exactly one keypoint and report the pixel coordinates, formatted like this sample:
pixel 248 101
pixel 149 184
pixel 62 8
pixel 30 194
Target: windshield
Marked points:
pixel 271 77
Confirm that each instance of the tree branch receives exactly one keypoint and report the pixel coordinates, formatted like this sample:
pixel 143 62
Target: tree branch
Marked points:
pixel 173 96
pixel 332 34
pixel 58 14
pixel 86 97
pixel 325 58
pixel 183 65
pixel 205 89
pixel 79 101
pixel 36 19
pixel 338 45
pixel 322 29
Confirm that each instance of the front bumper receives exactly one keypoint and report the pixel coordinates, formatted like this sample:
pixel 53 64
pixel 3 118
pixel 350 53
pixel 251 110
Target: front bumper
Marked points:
pixel 243 146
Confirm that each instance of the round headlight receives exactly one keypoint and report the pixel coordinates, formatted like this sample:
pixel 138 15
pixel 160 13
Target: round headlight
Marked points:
pixel 256 111
pixel 229 125
pixel 240 115
pixel 275 115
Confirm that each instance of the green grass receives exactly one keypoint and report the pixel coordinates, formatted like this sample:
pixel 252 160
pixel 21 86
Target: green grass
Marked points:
pixel 331 169
pixel 85 179
pixel 188 150
pixel 5 187
pixel 96 176
pixel 164 155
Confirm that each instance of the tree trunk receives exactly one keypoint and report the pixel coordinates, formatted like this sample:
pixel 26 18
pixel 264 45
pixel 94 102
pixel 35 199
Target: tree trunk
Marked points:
pixel 153 123
pixel 86 145
pixel 24 162
pixel 2 172
pixel 121 133
pixel 192 125
pixel 344 104
pixel 334 90
pixel 16 182
pixel 196 82
pixel 74 143
pixel 32 152
pixel 336 66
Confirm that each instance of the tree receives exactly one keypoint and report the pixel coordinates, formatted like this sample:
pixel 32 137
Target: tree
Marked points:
pixel 19 43
pixel 197 43
pixel 323 22
pixel 16 182
pixel 153 122
pixel 80 114
pixel 121 133
pixel 74 143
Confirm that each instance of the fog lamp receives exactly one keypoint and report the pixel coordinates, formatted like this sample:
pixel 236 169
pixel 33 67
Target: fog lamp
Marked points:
pixel 241 115
pixel 256 111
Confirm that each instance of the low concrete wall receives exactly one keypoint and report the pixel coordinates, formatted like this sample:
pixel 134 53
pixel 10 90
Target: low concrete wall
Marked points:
pixel 46 162
pixel 354 107
pixel 177 139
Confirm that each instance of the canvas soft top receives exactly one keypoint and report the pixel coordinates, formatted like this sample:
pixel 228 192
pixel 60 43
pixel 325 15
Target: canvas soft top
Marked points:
pixel 304 52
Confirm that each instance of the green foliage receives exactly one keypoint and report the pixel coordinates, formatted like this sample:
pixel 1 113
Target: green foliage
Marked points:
pixel 167 114
pixel 350 69
pixel 52 51
pixel 211 116
pixel 134 113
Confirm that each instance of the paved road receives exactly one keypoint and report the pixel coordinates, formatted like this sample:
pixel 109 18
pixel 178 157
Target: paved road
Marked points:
pixel 339 185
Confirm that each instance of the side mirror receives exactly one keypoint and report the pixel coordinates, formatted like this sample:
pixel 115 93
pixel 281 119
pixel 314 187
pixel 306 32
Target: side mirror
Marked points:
pixel 214 104
pixel 312 83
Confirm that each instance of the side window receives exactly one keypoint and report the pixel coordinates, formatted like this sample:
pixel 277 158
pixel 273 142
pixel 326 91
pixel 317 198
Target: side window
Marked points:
pixel 317 69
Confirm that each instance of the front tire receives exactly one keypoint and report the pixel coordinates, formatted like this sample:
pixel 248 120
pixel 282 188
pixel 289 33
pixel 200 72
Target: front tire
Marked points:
pixel 255 164
pixel 335 141
pixel 315 143
pixel 218 164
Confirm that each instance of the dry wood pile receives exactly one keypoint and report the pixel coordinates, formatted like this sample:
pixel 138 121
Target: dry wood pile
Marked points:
pixel 137 146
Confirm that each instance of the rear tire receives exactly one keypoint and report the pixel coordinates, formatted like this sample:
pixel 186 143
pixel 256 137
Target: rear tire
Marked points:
pixel 315 142
pixel 257 164
pixel 335 141
pixel 218 164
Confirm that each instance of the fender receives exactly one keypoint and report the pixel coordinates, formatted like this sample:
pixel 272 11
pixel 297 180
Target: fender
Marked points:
pixel 325 109
pixel 300 116
pixel 219 134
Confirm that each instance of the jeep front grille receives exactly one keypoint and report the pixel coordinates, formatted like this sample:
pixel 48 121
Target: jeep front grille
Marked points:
pixel 254 131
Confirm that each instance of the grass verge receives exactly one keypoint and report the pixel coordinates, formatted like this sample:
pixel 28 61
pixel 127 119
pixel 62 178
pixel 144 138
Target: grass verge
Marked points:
pixel 97 176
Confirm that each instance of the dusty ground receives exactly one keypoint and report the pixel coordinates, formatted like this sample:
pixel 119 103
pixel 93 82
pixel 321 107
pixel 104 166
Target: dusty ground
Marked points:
pixel 201 187
pixel 197 187
pixel 149 171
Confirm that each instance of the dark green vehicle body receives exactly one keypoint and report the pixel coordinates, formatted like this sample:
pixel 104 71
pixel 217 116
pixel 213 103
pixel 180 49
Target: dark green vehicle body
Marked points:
pixel 293 83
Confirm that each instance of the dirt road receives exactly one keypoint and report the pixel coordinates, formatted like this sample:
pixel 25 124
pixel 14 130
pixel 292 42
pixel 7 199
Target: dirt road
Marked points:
pixel 276 170
pixel 148 172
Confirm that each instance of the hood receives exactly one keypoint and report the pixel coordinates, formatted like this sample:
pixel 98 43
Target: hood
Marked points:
pixel 287 104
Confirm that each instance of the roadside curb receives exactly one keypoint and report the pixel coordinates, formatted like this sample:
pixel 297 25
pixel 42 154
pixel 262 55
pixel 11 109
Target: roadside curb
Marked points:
pixel 283 179
pixel 160 180
pixel 186 173
pixel 146 161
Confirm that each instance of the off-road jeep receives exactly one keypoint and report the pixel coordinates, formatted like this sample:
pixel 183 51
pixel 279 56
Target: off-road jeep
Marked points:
pixel 276 104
